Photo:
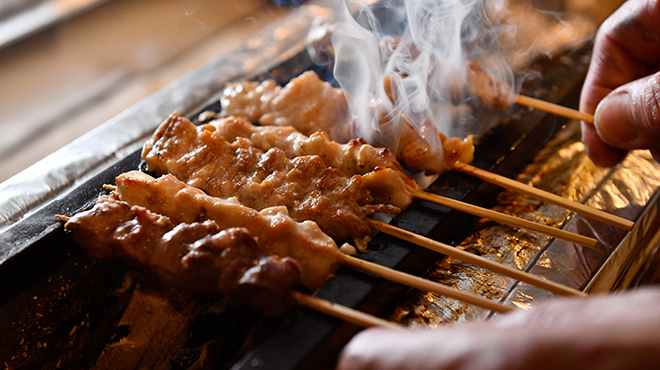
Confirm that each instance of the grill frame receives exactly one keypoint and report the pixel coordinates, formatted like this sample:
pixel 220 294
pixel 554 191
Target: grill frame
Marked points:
pixel 37 246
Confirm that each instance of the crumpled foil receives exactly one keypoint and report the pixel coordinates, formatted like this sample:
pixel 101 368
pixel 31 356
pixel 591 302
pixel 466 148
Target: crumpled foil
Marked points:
pixel 563 168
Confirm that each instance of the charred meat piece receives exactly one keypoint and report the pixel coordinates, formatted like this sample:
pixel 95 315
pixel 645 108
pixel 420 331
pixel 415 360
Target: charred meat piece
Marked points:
pixel 305 185
pixel 196 258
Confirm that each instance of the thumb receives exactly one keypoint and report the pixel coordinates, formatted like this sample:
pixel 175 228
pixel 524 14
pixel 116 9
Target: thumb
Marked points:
pixel 629 117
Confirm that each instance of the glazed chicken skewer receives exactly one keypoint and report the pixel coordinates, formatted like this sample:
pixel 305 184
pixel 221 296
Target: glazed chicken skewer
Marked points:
pixel 276 233
pixel 311 105
pixel 203 157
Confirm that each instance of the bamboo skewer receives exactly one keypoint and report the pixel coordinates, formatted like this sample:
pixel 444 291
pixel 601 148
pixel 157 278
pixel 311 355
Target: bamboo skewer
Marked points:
pixel 496 267
pixel 504 218
pixel 518 186
pixel 554 108
pixel 342 312
pixel 424 284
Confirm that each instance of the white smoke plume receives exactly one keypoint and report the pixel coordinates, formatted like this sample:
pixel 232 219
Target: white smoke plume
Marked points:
pixel 422 46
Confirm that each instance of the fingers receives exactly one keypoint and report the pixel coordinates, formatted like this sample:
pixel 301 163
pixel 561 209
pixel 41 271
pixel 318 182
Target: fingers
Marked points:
pixel 627 49
pixel 627 46
pixel 446 348
pixel 629 117
pixel 601 154
pixel 601 332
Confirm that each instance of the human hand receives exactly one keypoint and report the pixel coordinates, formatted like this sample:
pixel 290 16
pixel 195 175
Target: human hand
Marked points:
pixel 599 332
pixel 622 86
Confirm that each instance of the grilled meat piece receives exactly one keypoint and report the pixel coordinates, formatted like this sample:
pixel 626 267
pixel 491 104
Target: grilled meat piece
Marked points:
pixel 275 232
pixel 382 174
pixel 491 91
pixel 305 185
pixel 306 103
pixel 197 258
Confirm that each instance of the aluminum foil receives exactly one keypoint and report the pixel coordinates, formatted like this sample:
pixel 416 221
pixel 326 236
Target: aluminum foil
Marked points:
pixel 563 168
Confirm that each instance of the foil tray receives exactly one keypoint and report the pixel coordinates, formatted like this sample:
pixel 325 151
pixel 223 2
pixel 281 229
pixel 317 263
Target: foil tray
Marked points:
pixel 35 250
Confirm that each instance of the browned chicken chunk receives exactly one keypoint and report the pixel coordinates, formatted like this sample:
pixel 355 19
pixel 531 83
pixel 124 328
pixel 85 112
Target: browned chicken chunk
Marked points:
pixel 306 103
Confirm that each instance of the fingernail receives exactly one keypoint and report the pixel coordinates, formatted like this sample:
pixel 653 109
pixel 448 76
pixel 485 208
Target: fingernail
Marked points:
pixel 613 119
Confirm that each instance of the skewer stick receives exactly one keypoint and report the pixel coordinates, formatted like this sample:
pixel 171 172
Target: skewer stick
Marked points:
pixel 63 218
pixel 342 312
pixel 496 267
pixel 518 186
pixel 554 108
pixel 504 218
pixel 424 284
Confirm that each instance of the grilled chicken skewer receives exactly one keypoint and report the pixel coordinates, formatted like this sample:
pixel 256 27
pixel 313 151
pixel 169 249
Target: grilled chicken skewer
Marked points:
pixel 200 260
pixel 310 105
pixel 305 185
pixel 200 157
pixel 263 103
pixel 358 157
pixel 456 253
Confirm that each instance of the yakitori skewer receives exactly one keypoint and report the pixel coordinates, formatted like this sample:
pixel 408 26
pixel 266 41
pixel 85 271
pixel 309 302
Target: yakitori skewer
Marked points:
pixel 475 260
pixel 378 169
pixel 504 218
pixel 321 251
pixel 553 108
pixel 518 186
pixel 342 312
pixel 332 309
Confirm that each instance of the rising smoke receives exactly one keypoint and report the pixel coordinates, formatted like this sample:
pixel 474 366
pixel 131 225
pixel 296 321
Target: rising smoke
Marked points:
pixel 420 47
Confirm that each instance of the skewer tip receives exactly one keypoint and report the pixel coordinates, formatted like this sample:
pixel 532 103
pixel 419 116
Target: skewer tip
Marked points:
pixel 63 218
